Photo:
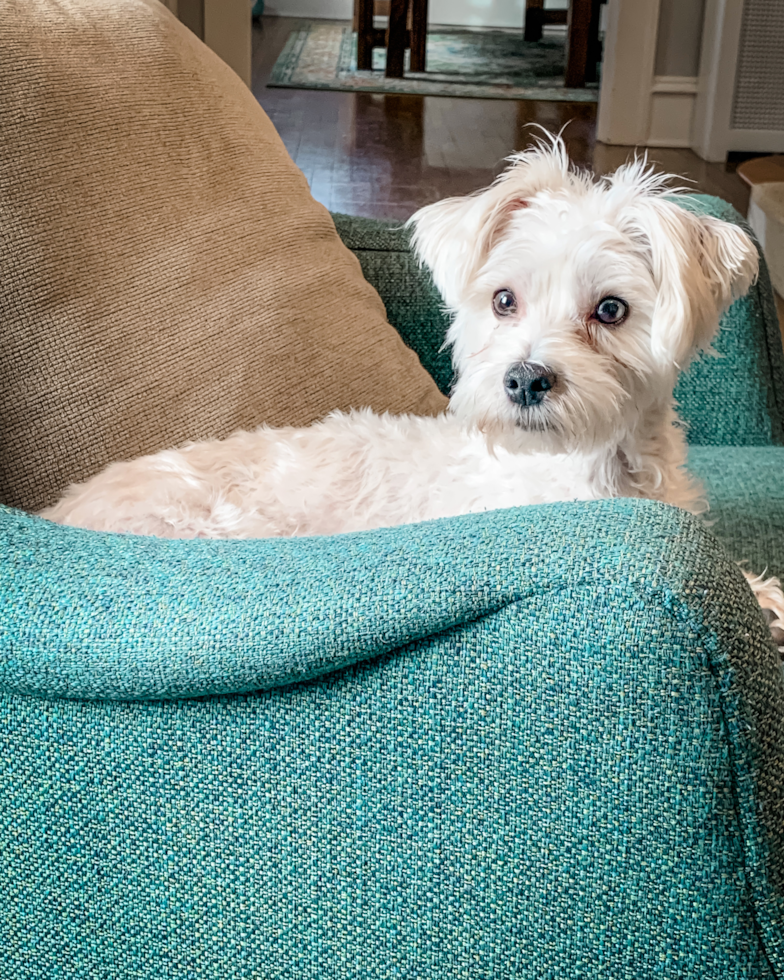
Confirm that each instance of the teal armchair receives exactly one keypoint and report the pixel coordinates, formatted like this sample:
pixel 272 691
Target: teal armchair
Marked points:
pixel 538 743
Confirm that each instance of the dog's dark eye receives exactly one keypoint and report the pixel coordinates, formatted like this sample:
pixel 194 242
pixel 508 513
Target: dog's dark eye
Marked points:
pixel 504 302
pixel 611 311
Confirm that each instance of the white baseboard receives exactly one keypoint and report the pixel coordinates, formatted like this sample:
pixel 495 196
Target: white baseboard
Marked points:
pixel 756 140
pixel 469 13
pixel 462 13
pixel 327 9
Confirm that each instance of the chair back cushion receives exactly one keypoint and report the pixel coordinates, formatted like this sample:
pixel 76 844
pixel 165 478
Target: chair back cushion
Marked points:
pixel 165 274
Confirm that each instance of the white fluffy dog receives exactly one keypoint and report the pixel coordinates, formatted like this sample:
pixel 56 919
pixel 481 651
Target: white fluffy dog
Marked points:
pixel 575 303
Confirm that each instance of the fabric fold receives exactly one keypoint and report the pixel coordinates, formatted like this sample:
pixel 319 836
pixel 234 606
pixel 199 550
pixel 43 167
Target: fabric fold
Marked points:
pixel 104 616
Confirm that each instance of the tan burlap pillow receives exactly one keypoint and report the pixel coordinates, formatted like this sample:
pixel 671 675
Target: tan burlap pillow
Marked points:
pixel 165 274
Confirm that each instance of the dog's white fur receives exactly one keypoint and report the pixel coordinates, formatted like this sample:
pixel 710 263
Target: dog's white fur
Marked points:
pixel 561 242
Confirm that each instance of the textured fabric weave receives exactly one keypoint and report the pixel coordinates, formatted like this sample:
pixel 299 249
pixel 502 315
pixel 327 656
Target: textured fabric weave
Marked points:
pixel 165 274
pixel 745 490
pixel 558 753
pixel 735 399
pixel 412 302
pixel 92 615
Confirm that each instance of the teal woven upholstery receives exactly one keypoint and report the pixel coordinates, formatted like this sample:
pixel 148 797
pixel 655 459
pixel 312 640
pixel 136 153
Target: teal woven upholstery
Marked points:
pixel 543 742
pixel 745 488
pixel 732 400
pixel 413 303
pixel 536 744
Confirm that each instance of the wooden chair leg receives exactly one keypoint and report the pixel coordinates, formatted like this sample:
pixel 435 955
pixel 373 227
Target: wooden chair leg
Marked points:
pixel 534 10
pixel 418 35
pixel 396 38
pixel 365 35
pixel 577 43
pixel 594 44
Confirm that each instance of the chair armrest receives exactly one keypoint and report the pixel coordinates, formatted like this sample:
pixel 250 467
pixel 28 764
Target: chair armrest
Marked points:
pixel 551 737
pixel 111 616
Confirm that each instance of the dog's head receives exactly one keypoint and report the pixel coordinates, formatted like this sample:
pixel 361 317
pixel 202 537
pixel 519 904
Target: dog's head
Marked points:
pixel 575 301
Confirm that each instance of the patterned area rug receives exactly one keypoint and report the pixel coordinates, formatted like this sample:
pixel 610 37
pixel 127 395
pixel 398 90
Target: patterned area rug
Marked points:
pixel 471 64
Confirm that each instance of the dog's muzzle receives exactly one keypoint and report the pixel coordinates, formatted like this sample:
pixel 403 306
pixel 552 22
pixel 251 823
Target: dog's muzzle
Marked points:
pixel 528 384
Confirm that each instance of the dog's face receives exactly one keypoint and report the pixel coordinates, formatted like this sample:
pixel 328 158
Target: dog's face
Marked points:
pixel 575 302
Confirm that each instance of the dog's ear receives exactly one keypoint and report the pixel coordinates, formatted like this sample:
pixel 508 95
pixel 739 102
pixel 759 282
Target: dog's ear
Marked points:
pixel 700 265
pixel 450 237
pixel 453 238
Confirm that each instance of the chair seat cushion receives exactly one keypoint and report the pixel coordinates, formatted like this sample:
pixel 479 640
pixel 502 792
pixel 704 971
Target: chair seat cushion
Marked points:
pixel 745 490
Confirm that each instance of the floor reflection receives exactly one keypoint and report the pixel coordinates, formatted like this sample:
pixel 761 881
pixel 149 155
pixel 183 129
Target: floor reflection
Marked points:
pixel 387 155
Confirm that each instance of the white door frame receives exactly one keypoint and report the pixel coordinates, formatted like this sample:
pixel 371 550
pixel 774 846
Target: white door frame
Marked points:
pixel 636 106
pixel 627 71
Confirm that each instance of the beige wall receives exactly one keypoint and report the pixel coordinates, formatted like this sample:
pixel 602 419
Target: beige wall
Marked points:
pixel 227 30
pixel 224 25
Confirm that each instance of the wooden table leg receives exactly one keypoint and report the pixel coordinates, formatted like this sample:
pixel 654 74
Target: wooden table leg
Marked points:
pixel 577 43
pixel 396 38
pixel 365 35
pixel 418 35
pixel 533 20
pixel 594 44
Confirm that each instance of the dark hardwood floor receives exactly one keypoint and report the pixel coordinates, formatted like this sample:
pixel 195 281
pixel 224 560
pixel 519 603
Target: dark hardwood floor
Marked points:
pixel 387 155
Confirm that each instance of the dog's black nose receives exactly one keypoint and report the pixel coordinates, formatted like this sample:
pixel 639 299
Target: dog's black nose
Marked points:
pixel 527 384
